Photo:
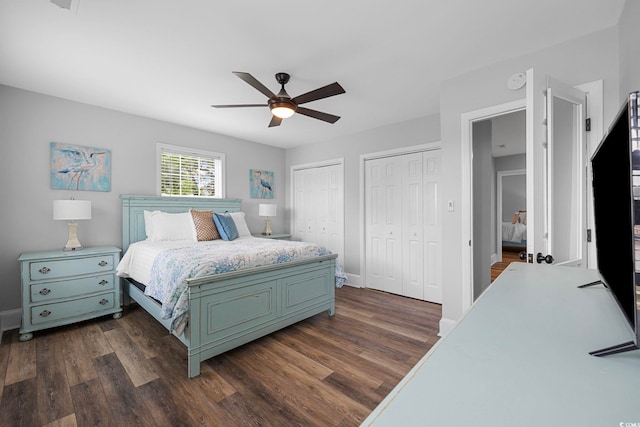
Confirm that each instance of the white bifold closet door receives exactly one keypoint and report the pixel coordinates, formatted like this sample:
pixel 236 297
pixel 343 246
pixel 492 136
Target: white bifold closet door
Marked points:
pixel 318 213
pixel 403 225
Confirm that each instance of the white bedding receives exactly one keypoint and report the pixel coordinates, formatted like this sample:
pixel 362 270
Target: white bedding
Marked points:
pixel 164 267
pixel 514 232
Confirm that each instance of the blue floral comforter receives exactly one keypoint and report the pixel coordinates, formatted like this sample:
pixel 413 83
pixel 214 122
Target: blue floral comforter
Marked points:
pixel 172 267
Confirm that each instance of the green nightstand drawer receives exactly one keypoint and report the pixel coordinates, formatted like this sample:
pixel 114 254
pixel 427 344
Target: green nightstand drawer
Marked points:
pixel 44 292
pixel 62 310
pixel 52 269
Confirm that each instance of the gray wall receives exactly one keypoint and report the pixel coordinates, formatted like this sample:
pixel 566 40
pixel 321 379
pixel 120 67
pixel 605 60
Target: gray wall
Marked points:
pixel 30 121
pixel 589 58
pixel 484 212
pixel 405 134
pixel 629 48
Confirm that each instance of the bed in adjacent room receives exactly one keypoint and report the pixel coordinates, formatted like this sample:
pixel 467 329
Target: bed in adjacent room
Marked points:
pixel 514 232
pixel 215 294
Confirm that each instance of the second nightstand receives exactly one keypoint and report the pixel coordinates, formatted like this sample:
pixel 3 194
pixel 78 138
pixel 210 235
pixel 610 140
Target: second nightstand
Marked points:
pixel 277 236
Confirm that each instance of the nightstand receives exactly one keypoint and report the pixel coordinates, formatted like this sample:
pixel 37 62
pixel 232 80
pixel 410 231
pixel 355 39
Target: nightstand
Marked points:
pixel 277 236
pixel 63 287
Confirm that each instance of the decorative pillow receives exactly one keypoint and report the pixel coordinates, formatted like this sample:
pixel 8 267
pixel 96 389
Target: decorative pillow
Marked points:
pixel 171 226
pixel 520 217
pixel 241 223
pixel 226 226
pixel 205 228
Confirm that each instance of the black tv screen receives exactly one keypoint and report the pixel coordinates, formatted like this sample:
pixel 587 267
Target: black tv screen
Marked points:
pixel 616 194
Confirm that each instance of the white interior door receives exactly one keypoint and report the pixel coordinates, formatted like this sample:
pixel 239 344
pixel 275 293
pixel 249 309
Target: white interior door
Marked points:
pixel 432 171
pixel 318 214
pixel 383 221
pixel 412 226
pixel 403 225
pixel 556 172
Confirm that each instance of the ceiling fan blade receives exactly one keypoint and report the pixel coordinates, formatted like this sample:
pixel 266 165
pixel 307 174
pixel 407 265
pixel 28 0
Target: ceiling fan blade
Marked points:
pixel 320 93
pixel 318 115
pixel 239 105
pixel 255 83
pixel 275 121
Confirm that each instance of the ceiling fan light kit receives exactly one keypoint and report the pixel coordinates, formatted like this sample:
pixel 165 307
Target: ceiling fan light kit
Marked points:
pixel 282 105
pixel 282 109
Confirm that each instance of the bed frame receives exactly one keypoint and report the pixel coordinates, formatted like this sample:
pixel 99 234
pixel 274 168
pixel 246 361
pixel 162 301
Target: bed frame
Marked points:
pixel 230 309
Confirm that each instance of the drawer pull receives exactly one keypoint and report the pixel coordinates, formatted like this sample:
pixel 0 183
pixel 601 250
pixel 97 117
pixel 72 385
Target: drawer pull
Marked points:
pixel 45 313
pixel 44 291
pixel 103 263
pixel 103 282
pixel 104 301
pixel 44 270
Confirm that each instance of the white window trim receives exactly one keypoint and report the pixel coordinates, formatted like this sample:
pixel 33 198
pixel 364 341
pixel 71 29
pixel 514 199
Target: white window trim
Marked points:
pixel 221 178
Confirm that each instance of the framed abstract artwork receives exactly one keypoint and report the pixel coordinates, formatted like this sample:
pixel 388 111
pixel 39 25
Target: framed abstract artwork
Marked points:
pixel 75 167
pixel 261 184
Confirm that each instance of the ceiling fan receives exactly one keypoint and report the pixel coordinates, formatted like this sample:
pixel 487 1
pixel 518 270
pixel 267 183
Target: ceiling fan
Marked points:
pixel 282 105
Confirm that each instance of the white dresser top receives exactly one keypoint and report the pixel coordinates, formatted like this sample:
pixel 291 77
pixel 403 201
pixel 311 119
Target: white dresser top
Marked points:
pixel 520 357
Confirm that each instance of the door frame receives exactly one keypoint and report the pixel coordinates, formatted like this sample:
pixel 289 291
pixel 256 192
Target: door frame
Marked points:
pixel 467 120
pixel 362 192
pixel 595 109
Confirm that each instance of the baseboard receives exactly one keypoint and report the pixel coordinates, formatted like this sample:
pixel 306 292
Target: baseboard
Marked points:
pixel 446 325
pixel 10 319
pixel 494 258
pixel 354 280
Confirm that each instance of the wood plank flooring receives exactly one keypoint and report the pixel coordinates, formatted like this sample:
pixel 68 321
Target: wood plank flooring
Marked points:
pixel 507 258
pixel 319 372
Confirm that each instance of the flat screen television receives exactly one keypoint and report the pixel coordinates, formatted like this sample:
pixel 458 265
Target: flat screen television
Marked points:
pixel 616 196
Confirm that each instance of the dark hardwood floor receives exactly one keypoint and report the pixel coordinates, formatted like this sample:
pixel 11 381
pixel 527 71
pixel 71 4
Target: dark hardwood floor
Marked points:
pixel 507 258
pixel 319 372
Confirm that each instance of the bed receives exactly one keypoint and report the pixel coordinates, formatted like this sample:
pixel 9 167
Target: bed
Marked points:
pixel 228 309
pixel 514 232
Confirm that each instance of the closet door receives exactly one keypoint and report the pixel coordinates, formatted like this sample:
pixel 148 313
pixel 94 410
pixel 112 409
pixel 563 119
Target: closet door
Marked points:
pixel 432 171
pixel 304 212
pixel 412 226
pixel 318 207
pixel 328 202
pixel 383 246
pixel 403 225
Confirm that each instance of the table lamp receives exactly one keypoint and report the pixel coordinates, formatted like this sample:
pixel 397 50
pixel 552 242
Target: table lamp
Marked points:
pixel 72 210
pixel 267 210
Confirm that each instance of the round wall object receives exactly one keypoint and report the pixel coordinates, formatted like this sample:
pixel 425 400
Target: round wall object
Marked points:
pixel 516 81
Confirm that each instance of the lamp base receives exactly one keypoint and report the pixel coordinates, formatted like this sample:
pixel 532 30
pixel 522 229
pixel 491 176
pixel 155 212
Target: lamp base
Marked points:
pixel 73 243
pixel 267 227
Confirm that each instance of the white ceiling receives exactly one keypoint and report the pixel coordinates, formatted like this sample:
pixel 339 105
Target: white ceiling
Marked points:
pixel 170 60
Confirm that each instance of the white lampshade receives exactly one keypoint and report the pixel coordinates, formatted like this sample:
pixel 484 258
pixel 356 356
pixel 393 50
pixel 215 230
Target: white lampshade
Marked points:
pixel 267 209
pixel 71 210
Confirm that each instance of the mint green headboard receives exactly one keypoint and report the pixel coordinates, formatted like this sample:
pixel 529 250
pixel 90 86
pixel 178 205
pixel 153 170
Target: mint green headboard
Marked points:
pixel 133 208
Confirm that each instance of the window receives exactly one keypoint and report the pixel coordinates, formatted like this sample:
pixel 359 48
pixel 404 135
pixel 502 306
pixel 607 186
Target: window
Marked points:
pixel 189 172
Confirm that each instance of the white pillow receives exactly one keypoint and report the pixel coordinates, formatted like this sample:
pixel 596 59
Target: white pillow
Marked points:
pixel 148 224
pixel 241 223
pixel 172 226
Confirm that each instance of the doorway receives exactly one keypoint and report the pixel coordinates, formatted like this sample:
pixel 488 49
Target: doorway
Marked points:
pixel 499 192
pixel 594 110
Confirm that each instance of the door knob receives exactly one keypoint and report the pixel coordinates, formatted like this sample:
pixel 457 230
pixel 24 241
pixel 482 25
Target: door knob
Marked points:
pixel 548 259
